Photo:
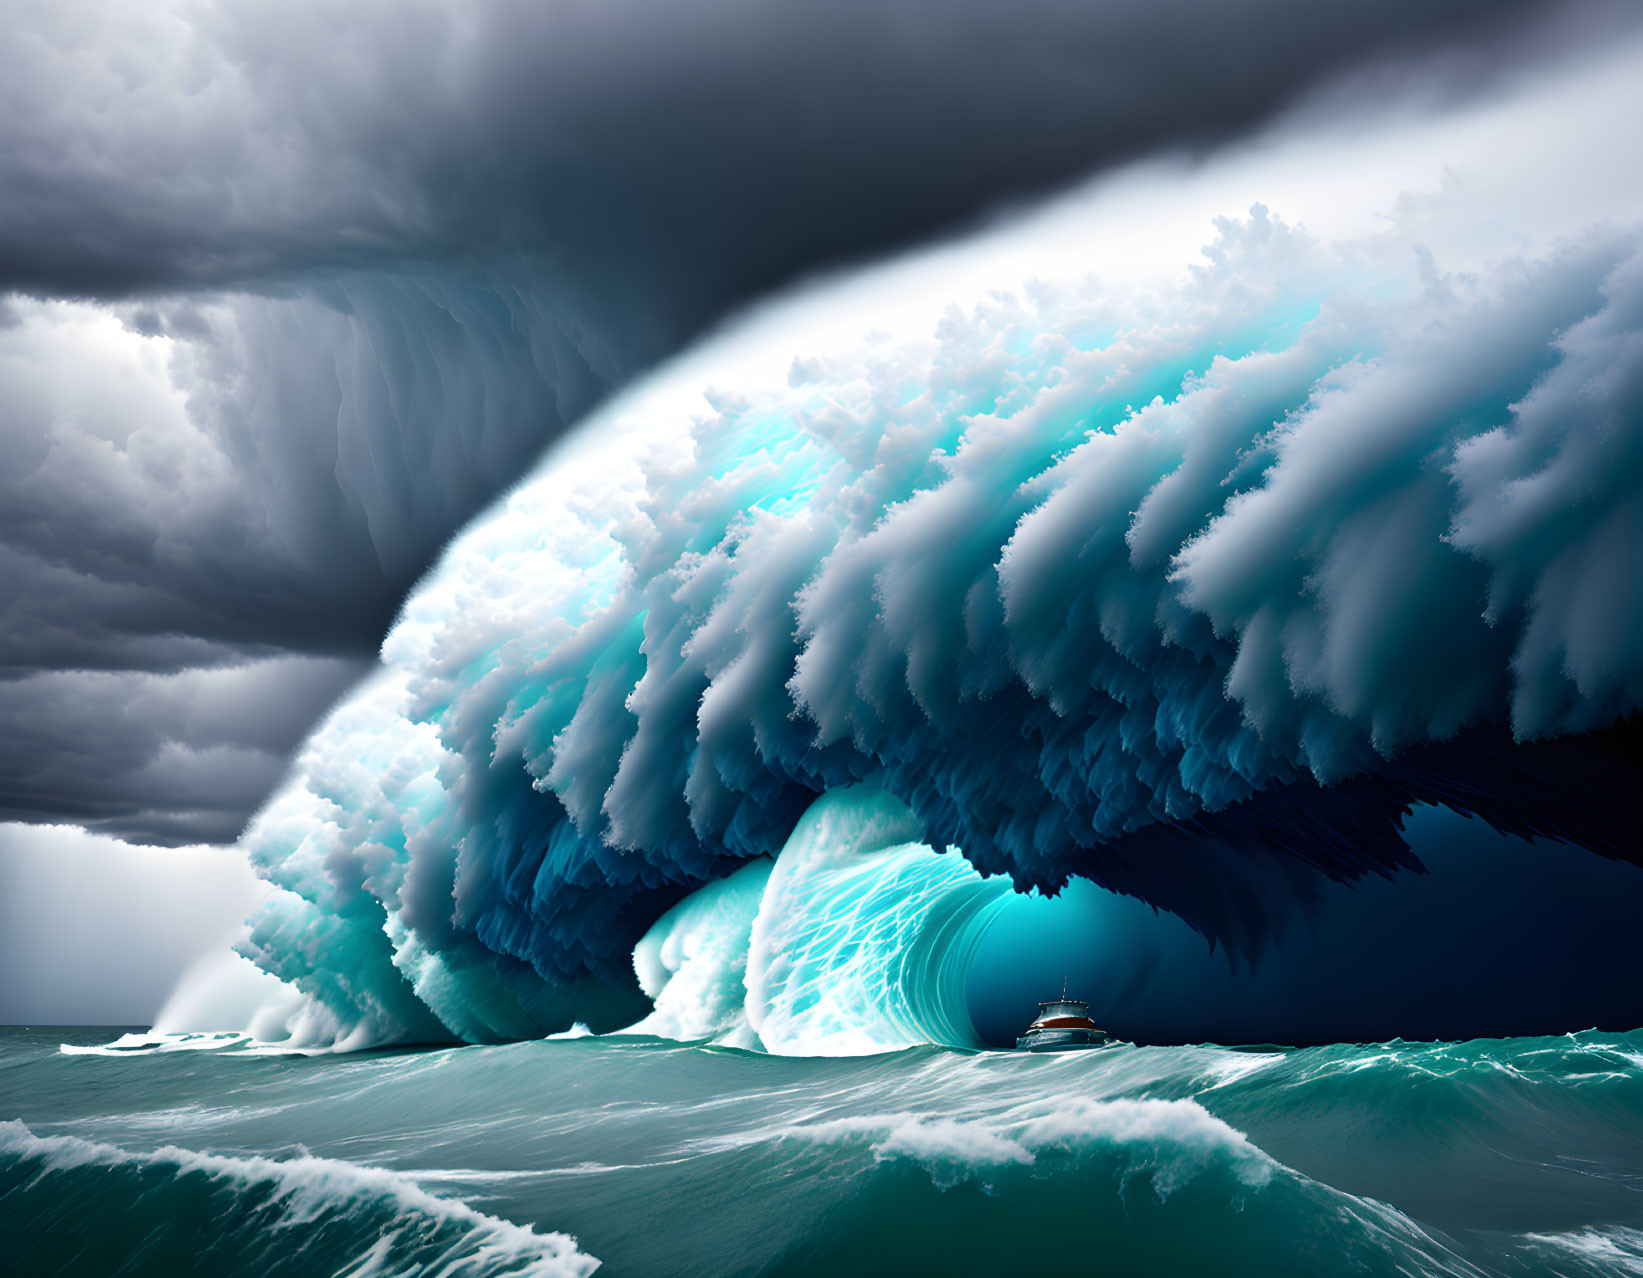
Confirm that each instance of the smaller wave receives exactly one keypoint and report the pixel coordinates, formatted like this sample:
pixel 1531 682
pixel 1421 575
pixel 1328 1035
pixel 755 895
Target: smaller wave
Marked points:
pixel 1515 1139
pixel 1168 1142
pixel 1225 1068
pixel 1156 1186
pixel 102 1208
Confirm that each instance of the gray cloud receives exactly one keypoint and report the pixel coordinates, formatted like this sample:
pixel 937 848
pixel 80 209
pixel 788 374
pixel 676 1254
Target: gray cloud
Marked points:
pixel 170 759
pixel 195 483
pixel 705 149
pixel 275 473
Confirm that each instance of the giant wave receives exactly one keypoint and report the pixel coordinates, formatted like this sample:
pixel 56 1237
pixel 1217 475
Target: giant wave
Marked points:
pixel 1189 588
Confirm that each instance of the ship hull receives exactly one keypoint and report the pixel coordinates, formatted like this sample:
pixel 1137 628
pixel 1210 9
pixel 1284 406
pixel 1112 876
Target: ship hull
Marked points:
pixel 1060 1040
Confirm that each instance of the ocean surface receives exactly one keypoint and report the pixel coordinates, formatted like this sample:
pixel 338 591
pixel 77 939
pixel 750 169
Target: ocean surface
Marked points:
pixel 642 1157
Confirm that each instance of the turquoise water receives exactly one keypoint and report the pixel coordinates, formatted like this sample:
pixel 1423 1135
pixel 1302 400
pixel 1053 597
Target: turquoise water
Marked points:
pixel 649 1158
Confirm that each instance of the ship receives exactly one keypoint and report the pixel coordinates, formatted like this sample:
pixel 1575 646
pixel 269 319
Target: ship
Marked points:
pixel 1062 1025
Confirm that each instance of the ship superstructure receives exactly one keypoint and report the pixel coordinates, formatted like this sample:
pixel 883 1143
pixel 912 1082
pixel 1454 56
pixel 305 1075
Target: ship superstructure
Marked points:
pixel 1062 1025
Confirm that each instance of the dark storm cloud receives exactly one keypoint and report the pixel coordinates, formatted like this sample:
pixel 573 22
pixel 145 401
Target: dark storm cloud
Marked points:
pixel 196 485
pixel 355 264
pixel 157 758
pixel 261 472
pixel 706 148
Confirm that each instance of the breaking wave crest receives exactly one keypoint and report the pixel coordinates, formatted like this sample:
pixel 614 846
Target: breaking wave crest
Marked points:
pixel 856 941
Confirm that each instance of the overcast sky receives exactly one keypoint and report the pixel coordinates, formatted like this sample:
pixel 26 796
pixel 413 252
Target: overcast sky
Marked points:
pixel 96 932
pixel 289 291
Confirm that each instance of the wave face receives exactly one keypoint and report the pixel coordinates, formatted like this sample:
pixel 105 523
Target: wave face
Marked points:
pixel 1189 589
pixel 1524 1159
pixel 179 1211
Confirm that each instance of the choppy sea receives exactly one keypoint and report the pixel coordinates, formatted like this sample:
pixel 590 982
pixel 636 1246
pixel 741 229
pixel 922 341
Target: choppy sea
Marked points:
pixel 642 1157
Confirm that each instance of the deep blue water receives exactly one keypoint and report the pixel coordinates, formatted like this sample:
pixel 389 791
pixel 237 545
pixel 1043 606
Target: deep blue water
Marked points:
pixel 1519 1156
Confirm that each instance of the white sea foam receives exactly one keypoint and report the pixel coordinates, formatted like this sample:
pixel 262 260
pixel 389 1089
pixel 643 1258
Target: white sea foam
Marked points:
pixel 1230 1067
pixel 155 1041
pixel 1168 1143
pixel 693 961
pixel 1615 1250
